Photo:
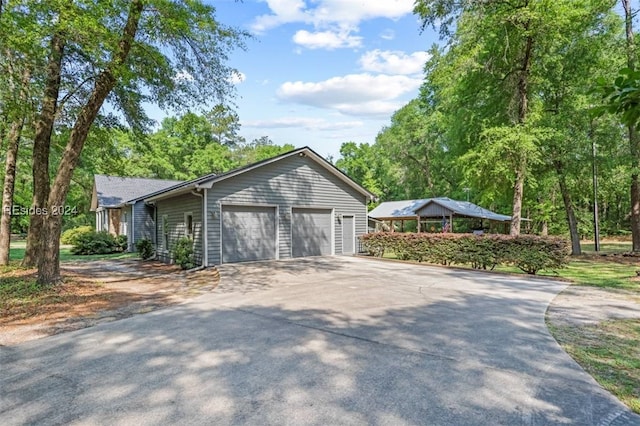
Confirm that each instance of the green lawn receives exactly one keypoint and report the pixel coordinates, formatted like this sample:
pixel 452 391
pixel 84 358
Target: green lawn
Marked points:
pixel 18 248
pixel 607 247
pixel 610 352
pixel 599 273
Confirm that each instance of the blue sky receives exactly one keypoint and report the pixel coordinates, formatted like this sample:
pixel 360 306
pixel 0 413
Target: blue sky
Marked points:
pixel 324 72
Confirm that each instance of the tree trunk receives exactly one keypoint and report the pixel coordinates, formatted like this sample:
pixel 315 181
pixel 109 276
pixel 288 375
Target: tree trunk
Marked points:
pixel 518 192
pixel 545 228
pixel 9 184
pixel 41 148
pixel 523 109
pixel 49 261
pixel 13 144
pixel 568 207
pixel 634 138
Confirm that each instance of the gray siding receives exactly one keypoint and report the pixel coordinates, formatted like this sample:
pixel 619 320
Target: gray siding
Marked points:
pixel 433 210
pixel 175 208
pixel 143 223
pixel 292 182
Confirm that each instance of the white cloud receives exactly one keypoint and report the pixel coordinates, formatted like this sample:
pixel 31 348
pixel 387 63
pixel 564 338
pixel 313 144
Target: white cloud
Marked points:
pixel 334 21
pixel 393 62
pixel 388 34
pixel 238 77
pixel 282 12
pixel 328 13
pixel 354 94
pixel 326 39
pixel 304 122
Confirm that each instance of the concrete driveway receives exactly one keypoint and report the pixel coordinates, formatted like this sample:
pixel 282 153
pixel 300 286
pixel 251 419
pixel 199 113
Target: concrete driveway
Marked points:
pixel 319 341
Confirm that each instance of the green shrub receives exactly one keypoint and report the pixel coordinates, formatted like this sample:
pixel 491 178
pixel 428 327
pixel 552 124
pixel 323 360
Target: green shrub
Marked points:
pixel 530 253
pixel 121 242
pixel 95 243
pixel 145 248
pixel 183 253
pixel 70 235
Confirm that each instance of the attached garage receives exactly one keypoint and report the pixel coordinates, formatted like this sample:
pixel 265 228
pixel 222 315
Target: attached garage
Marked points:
pixel 311 233
pixel 296 204
pixel 248 233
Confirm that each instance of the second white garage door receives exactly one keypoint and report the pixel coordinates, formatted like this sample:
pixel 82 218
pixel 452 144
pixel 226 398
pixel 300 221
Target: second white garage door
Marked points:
pixel 310 232
pixel 248 233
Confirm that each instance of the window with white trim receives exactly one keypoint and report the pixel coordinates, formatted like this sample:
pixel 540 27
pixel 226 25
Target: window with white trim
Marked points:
pixel 165 232
pixel 188 224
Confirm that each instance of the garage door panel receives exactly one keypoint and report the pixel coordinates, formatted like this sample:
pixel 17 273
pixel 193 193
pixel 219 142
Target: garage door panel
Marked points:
pixel 311 232
pixel 248 233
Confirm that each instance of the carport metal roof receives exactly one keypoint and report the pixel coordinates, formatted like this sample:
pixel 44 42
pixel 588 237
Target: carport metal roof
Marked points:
pixel 433 208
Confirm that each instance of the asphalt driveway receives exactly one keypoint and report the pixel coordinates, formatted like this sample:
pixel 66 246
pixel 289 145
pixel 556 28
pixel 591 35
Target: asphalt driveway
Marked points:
pixel 319 341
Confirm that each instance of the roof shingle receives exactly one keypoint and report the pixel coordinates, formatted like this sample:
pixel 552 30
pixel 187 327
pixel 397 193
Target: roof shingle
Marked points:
pixel 112 191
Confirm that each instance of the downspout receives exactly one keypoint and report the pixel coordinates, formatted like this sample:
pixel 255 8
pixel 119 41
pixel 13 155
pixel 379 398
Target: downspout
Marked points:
pixel 205 219
pixel 133 227
pixel 204 228
pixel 155 227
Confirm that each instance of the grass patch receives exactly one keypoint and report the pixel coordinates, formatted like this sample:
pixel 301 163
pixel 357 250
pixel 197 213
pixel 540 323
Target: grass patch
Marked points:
pixel 602 274
pixel 598 272
pixel 607 247
pixel 610 352
pixel 18 248
pixel 20 296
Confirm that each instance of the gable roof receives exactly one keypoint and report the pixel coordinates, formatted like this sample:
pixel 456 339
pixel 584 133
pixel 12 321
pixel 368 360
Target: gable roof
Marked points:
pixel 209 180
pixel 407 209
pixel 113 191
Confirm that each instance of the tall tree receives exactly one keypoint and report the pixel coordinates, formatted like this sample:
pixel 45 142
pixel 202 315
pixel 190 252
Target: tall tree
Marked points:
pixel 41 148
pixel 126 52
pixel 17 123
pixel 500 39
pixel 634 136
pixel 258 150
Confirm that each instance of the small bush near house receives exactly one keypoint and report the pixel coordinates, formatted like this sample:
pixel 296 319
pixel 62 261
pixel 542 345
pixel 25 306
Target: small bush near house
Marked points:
pixel 96 243
pixel 530 253
pixel 183 253
pixel 121 242
pixel 70 235
pixel 145 248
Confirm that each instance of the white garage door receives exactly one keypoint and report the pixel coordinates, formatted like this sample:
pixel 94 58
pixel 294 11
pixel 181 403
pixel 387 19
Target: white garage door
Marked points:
pixel 310 232
pixel 248 233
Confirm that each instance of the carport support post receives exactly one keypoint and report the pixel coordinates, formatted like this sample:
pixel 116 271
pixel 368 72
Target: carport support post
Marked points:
pixel 451 223
pixel 418 224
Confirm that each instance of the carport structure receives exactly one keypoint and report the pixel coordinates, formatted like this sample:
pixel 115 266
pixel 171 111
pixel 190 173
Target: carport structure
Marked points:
pixel 429 209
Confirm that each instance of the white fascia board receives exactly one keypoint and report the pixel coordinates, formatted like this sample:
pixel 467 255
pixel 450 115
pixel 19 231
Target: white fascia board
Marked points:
pixel 178 191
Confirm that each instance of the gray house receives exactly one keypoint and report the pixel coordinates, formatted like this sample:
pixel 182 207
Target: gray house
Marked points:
pixel 294 205
pixel 120 209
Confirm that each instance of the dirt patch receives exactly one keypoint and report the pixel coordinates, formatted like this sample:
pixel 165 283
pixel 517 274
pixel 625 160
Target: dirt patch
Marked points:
pixel 100 291
pixel 629 258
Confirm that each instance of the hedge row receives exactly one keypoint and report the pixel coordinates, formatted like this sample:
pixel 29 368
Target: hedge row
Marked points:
pixel 92 242
pixel 530 253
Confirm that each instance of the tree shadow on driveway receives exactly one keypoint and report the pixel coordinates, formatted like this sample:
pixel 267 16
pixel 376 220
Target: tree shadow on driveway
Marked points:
pixel 468 359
